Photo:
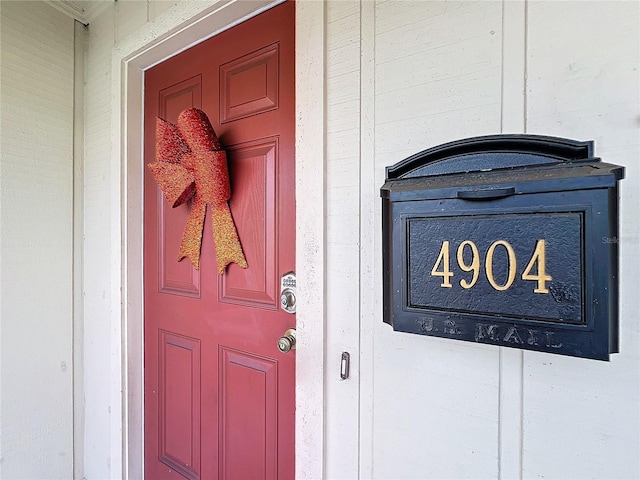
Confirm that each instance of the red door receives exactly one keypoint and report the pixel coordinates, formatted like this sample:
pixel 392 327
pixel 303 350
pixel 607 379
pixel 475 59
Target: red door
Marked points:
pixel 219 395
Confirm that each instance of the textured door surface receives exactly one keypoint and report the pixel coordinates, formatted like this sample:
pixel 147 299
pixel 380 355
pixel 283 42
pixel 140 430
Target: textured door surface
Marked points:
pixel 219 396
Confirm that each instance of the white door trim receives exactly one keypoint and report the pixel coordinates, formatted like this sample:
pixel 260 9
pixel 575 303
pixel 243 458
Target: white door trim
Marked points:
pixel 184 25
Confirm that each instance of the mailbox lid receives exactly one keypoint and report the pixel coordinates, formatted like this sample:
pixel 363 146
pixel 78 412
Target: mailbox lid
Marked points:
pixel 498 166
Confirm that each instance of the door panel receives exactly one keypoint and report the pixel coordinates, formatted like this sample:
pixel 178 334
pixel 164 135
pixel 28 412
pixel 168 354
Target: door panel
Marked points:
pixel 176 277
pixel 219 396
pixel 249 84
pixel 248 398
pixel 179 402
pixel 253 181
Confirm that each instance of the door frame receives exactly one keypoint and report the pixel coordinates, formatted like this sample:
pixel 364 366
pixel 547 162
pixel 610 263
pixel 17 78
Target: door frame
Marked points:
pixel 180 27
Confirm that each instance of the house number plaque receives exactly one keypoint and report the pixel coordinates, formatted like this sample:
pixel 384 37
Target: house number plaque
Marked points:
pixel 511 266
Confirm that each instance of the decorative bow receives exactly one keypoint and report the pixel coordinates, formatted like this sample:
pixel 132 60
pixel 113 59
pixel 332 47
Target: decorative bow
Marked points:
pixel 191 163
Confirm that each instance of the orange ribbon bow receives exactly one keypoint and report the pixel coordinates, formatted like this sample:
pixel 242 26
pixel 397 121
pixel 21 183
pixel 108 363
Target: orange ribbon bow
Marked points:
pixel 191 163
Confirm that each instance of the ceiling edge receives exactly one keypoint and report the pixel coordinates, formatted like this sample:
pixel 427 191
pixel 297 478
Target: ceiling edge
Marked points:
pixel 71 9
pixel 94 8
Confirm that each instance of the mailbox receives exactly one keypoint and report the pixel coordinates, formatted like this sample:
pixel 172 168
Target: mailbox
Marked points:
pixel 510 240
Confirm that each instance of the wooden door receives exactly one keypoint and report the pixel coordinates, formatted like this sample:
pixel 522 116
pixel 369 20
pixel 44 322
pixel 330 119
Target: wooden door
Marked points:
pixel 219 395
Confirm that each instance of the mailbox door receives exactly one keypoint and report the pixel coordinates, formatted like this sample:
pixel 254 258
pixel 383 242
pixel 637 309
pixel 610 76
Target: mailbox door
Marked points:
pixel 511 271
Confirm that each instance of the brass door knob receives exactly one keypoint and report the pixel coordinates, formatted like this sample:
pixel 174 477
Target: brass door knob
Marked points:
pixel 288 341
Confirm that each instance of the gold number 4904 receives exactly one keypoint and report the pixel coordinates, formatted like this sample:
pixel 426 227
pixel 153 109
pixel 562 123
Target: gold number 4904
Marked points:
pixel 441 267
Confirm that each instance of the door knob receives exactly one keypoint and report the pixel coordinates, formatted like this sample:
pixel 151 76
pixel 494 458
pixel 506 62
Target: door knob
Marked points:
pixel 288 300
pixel 288 342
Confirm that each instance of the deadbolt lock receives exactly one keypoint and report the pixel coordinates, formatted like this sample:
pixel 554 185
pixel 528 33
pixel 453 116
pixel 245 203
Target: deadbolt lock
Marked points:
pixel 288 292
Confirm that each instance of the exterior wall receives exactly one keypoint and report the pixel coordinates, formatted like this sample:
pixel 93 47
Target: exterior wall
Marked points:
pixel 36 351
pixel 586 86
pixel 435 408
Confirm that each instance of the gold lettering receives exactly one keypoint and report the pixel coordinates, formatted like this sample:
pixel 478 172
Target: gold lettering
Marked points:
pixel 539 257
pixel 538 261
pixel 475 263
pixel 446 272
pixel 512 265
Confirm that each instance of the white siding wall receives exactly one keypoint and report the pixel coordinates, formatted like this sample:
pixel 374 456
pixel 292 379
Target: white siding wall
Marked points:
pixel 581 418
pixel 402 76
pixel 443 71
pixel 36 220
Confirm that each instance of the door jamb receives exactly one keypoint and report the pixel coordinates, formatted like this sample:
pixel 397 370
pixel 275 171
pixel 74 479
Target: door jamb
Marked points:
pixel 174 31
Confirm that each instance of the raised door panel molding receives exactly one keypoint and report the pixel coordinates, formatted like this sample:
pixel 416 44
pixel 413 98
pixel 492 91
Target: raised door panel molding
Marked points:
pixel 248 394
pixel 179 401
pixel 254 193
pixel 177 278
pixel 249 84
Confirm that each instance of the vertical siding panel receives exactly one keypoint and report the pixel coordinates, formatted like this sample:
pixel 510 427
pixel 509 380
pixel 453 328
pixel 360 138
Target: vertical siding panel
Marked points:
pixel 80 47
pixel 343 253
pixel 97 247
pixel 581 417
pixel 36 353
pixel 129 16
pixel 370 258
pixel 513 121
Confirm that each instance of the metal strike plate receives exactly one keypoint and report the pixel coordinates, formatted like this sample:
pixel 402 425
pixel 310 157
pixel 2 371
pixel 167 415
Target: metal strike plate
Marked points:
pixel 288 292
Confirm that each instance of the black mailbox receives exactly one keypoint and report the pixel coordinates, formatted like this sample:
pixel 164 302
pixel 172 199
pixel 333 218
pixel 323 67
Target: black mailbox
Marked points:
pixel 510 240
